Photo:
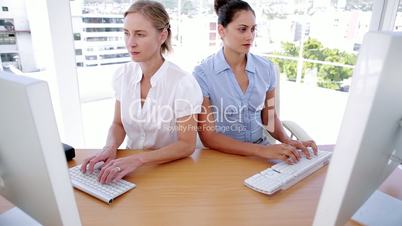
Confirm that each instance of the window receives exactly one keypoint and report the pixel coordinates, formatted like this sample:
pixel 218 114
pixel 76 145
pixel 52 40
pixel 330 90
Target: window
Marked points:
pixel 315 44
pixel 113 56
pixel 91 57
pixel 212 36
pixel 212 26
pixel 103 20
pixel 7 38
pixel 105 48
pixel 103 29
pixel 78 52
pixel 7 25
pixel 103 39
pixel 111 63
pixel 17 42
pixel 9 57
pixel 77 36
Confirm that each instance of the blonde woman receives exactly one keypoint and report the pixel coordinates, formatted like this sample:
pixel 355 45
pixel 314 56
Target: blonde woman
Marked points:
pixel 154 107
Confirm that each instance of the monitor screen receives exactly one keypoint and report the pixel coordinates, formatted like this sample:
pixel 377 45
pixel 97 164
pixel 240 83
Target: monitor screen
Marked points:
pixel 368 147
pixel 33 168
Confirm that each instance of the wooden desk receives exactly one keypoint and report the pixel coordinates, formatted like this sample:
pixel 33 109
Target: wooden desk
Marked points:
pixel 206 189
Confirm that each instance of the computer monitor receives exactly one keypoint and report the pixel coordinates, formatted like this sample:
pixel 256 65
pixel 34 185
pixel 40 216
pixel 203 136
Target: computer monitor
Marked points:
pixel 33 168
pixel 369 145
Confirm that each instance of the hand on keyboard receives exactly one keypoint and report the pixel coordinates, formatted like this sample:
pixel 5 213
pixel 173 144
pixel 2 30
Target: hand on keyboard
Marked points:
pixel 88 183
pixel 113 169
pixel 284 152
pixel 116 169
pixel 307 147
pixel 107 155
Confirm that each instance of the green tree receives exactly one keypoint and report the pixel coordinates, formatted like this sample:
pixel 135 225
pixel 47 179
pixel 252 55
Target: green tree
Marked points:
pixel 169 4
pixel 313 49
pixel 328 76
pixel 188 7
pixel 287 67
pixel 290 49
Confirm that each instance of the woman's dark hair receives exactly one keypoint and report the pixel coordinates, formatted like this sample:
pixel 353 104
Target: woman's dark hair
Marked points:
pixel 227 9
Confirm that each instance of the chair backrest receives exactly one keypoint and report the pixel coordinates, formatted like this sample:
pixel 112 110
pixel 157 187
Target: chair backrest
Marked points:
pixel 272 140
pixel 294 130
pixel 277 89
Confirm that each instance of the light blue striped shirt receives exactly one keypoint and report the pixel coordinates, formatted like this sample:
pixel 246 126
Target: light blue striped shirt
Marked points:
pixel 237 114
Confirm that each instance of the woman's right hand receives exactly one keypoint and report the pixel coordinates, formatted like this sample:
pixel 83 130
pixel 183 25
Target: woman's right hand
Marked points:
pixel 284 152
pixel 107 155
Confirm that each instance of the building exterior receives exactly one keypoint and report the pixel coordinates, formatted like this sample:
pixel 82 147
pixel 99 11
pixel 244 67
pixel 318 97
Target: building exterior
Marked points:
pixel 98 40
pixel 15 37
pixel 98 33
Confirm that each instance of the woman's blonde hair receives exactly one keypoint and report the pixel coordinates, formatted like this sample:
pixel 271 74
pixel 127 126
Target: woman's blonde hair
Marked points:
pixel 158 16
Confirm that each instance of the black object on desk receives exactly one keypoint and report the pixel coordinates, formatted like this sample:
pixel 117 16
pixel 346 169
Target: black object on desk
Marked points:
pixel 69 151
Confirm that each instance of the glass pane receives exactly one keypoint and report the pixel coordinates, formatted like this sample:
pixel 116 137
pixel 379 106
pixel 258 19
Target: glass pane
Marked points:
pixel 15 39
pixel 25 49
pixel 100 49
pixel 329 33
pixel 326 31
pixel 8 39
pixel 398 20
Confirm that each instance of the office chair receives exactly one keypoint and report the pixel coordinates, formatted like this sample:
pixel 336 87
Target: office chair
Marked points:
pixel 293 129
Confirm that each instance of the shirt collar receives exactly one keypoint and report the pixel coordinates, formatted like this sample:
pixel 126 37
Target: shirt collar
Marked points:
pixel 250 67
pixel 159 73
pixel 138 74
pixel 221 64
pixel 155 77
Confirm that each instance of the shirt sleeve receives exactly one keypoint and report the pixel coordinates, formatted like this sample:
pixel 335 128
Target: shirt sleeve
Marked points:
pixel 117 82
pixel 273 75
pixel 188 98
pixel 199 75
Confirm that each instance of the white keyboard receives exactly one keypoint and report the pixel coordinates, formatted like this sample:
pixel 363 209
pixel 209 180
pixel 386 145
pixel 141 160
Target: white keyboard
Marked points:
pixel 282 175
pixel 88 183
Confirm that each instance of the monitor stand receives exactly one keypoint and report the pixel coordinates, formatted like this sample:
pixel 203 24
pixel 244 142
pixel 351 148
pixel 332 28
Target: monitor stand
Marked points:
pixel 380 210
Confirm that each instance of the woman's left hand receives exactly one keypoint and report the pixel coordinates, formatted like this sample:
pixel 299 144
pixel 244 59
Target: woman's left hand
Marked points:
pixel 302 145
pixel 118 168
